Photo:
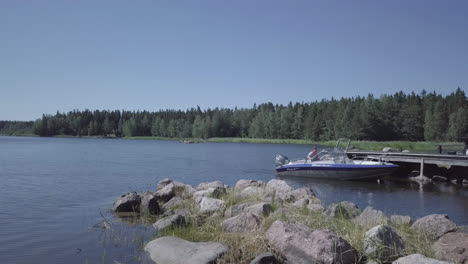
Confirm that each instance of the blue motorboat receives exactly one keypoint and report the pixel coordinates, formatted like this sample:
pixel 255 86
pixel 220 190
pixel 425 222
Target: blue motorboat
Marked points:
pixel 334 165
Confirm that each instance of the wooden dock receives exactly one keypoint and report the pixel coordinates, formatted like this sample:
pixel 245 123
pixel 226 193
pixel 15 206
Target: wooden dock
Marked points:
pixel 452 166
pixel 437 159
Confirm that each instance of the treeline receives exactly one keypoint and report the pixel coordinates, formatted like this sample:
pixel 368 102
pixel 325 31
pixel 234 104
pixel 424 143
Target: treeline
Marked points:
pixel 16 128
pixel 414 117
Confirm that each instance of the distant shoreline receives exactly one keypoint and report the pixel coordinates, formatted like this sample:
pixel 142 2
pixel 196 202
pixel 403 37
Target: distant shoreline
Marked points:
pixel 364 144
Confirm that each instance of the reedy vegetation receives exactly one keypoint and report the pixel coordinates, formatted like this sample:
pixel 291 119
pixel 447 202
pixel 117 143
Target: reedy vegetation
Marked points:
pixel 413 117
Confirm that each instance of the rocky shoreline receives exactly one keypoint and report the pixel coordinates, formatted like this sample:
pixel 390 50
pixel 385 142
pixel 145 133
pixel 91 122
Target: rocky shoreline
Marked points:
pixel 257 222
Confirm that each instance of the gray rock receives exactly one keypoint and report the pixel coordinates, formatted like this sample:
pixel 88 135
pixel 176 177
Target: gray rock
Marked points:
pixel 299 244
pixel 206 185
pixel 149 204
pixel 236 209
pixel 129 202
pixel 265 258
pixel 173 250
pixel 370 217
pixel 452 247
pixel 281 189
pixel 383 243
pixel 170 221
pixel 420 179
pixel 252 191
pixel 400 220
pixel 389 149
pixel 210 192
pixel 303 193
pixel 242 184
pixel 418 259
pixel 180 211
pixel 405 151
pixel 166 193
pixel 260 209
pixel 315 207
pixel 244 222
pixel 434 225
pixel 163 183
pixel 187 192
pixel 173 202
pixel 437 178
pixel 344 209
pixel 210 205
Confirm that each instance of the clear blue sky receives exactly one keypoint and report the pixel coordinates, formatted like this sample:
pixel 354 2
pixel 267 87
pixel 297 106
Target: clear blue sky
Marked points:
pixel 151 55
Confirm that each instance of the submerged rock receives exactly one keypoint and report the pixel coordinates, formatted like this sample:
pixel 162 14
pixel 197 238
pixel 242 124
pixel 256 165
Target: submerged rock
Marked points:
pixel 173 250
pixel 244 222
pixel 418 259
pixel 383 242
pixel 434 225
pixel 129 202
pixel 452 247
pixel 300 244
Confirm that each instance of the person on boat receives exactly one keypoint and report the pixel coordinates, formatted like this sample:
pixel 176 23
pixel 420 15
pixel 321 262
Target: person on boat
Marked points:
pixel 313 154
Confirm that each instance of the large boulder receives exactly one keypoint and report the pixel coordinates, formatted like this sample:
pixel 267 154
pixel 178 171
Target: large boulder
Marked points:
pixel 418 259
pixel 260 209
pixel 252 191
pixel 210 192
pixel 149 204
pixel 383 243
pixel 163 183
pixel 343 209
pixel 279 186
pixel 236 209
pixel 129 202
pixel 170 221
pixel 173 202
pixel 244 222
pixel 210 205
pixel 265 258
pixel 370 217
pixel 206 185
pixel 303 193
pixel 400 220
pixel 242 184
pixel 434 225
pixel 452 247
pixel 166 193
pixel 300 244
pixel 173 250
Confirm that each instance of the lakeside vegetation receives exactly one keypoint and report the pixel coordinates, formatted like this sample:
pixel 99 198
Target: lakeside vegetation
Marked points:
pixel 397 117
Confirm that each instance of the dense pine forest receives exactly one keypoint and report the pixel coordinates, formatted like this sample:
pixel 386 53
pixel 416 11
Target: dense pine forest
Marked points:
pixel 413 117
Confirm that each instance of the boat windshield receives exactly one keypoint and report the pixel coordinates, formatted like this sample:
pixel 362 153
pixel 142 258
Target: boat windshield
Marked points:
pixel 336 155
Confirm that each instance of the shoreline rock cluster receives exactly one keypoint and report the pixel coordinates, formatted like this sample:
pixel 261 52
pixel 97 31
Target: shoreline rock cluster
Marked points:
pixel 291 223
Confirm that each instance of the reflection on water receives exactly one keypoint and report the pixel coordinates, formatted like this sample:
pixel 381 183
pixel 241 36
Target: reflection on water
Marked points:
pixel 393 197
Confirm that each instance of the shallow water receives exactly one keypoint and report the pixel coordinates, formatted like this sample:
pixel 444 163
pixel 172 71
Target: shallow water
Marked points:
pixel 53 191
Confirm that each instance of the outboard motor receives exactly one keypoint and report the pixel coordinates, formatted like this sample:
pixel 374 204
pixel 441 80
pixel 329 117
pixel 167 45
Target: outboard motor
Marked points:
pixel 281 160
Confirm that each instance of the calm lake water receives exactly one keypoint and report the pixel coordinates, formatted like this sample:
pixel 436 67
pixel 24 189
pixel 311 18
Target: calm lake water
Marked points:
pixel 53 191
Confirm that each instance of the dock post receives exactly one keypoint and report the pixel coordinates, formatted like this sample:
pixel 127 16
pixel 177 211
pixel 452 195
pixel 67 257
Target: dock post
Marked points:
pixel 421 170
